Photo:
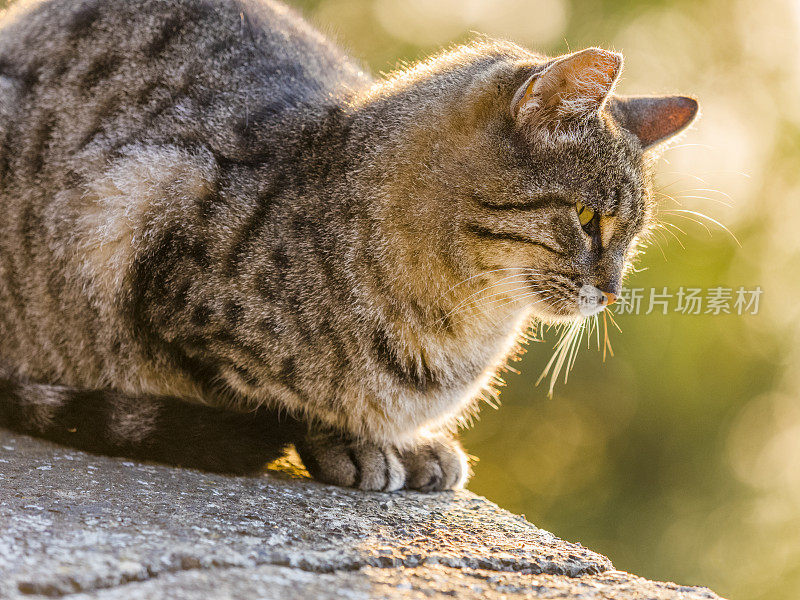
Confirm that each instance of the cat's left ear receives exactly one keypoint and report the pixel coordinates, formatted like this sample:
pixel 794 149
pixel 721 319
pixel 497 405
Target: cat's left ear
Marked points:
pixel 653 119
pixel 574 85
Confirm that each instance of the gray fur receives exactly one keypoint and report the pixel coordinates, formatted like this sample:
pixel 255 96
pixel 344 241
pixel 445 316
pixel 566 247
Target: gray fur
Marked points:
pixel 206 200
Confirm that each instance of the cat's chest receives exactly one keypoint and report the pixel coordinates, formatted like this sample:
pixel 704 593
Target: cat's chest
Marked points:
pixel 478 352
pixel 462 368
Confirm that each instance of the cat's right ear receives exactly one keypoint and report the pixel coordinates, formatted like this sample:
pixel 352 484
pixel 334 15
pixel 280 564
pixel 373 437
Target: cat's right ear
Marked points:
pixel 572 86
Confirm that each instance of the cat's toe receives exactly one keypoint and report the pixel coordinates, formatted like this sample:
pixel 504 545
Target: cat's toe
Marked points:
pixel 366 466
pixel 436 464
pixel 379 469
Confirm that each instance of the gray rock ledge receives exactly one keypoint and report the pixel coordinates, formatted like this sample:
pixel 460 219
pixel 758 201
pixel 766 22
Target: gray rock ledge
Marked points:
pixel 87 527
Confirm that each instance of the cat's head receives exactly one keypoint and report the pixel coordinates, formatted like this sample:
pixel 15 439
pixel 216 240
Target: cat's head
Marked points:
pixel 554 180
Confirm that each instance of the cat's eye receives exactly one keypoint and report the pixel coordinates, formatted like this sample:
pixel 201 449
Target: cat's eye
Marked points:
pixel 585 214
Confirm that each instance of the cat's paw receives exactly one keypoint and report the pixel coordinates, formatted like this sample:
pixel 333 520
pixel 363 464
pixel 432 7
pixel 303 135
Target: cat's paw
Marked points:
pixel 435 464
pixel 336 459
pixel 432 465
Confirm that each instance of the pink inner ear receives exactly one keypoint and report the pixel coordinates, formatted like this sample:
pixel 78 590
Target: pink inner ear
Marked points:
pixel 579 82
pixel 575 84
pixel 653 118
pixel 594 72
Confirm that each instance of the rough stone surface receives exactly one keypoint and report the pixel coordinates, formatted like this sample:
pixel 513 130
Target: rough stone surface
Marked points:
pixel 89 527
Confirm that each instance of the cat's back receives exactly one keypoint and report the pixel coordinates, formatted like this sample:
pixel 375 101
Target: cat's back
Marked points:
pixel 121 122
pixel 106 73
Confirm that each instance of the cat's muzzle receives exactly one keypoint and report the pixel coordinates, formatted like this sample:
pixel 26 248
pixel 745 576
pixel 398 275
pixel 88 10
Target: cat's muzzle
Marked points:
pixel 592 300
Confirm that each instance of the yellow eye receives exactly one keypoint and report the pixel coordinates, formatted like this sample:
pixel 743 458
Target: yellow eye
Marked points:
pixel 585 214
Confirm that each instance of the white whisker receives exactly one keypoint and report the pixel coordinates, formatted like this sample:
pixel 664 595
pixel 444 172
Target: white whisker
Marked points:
pixel 685 212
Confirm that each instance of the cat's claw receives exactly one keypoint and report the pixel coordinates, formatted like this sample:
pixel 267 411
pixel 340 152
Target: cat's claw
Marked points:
pixel 434 464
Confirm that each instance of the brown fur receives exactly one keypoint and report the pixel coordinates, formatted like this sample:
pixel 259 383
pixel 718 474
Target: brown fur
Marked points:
pixel 206 200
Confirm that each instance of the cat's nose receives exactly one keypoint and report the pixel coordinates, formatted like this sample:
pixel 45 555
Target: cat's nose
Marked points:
pixel 610 298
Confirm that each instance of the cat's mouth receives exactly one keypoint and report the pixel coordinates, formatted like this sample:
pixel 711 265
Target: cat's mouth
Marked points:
pixel 568 302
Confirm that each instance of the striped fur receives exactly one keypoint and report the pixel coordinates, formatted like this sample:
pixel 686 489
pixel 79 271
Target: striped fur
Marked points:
pixel 152 428
pixel 220 236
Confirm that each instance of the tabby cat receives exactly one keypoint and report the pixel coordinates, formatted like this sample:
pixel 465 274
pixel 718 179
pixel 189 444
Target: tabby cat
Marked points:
pixel 220 236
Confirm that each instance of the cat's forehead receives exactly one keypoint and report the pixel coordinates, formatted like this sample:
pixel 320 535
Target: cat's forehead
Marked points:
pixel 596 162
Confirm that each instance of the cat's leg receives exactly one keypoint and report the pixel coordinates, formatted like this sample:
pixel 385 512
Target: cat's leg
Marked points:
pixel 432 464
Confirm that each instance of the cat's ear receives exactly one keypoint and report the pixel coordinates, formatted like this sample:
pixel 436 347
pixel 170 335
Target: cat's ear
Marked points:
pixel 574 85
pixel 653 119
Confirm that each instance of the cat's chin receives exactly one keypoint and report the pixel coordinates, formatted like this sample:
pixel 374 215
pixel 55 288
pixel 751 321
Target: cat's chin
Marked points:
pixel 589 302
pixel 553 316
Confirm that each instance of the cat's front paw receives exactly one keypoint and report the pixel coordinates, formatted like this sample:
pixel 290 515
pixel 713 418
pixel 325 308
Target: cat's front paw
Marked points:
pixel 434 464
pixel 339 460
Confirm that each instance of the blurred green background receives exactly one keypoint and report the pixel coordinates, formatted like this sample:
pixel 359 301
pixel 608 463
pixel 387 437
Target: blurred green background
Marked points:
pixel 679 458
